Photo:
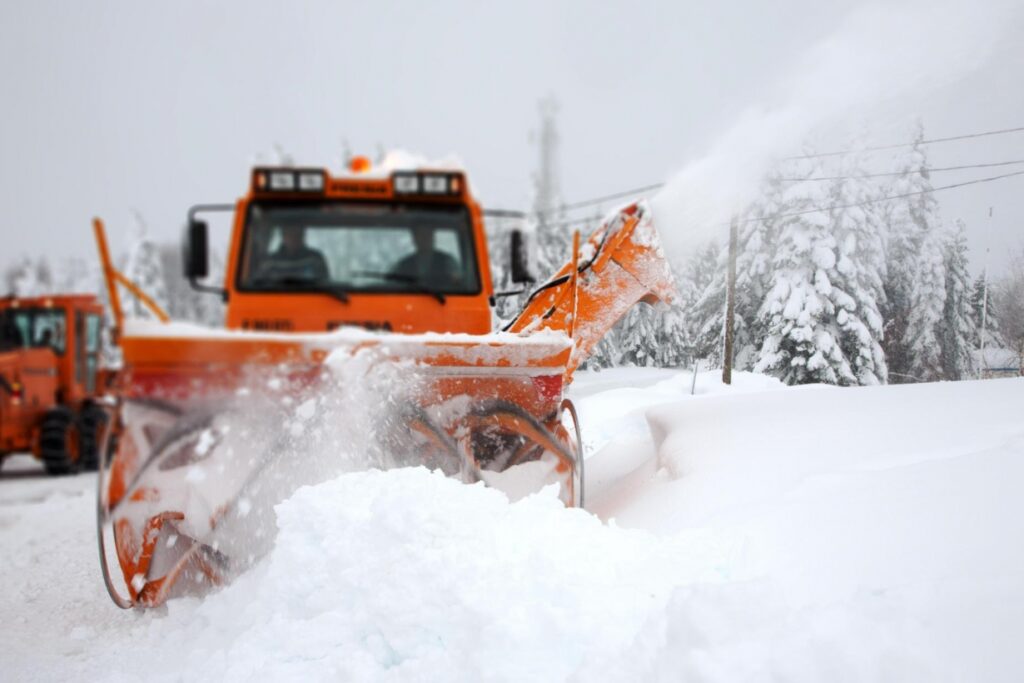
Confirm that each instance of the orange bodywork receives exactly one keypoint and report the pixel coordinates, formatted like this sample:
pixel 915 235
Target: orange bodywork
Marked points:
pixel 404 313
pixel 469 391
pixel 35 379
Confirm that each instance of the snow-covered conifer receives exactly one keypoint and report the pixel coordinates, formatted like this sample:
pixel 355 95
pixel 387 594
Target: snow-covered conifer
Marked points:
pixel 705 309
pixel 22 279
pixel 957 330
pixel 915 285
pixel 806 316
pixel 859 272
pixel 984 313
pixel 144 269
pixel 638 332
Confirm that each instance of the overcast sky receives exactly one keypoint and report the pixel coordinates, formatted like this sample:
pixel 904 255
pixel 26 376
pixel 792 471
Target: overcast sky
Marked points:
pixel 115 106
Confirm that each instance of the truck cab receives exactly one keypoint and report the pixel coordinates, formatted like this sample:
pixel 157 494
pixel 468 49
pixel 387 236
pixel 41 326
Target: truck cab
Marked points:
pixel 403 252
pixel 49 377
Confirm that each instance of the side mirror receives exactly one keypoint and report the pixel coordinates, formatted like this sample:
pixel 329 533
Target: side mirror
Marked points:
pixel 195 252
pixel 520 259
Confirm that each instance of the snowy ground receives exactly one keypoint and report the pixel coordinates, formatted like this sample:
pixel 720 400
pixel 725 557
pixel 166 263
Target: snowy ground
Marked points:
pixel 759 533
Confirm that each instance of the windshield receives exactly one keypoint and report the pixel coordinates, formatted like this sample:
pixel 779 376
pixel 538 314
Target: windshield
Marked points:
pixel 22 328
pixel 348 247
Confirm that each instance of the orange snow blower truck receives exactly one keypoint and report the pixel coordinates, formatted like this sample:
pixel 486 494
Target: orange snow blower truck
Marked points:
pixel 51 381
pixel 332 282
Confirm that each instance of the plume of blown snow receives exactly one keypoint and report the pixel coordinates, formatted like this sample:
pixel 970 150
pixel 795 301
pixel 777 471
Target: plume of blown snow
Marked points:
pixel 881 54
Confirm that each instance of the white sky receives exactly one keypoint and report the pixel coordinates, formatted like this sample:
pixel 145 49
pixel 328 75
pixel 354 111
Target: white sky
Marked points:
pixel 114 106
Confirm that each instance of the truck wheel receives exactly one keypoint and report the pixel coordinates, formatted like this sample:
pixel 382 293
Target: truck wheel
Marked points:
pixel 60 442
pixel 92 423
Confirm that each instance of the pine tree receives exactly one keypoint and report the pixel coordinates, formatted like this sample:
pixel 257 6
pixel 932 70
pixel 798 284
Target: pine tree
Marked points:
pixel 859 272
pixel 805 316
pixel 1010 307
pixel 23 279
pixel 638 332
pixel 673 347
pixel 916 282
pixel 76 276
pixel 44 276
pixel 757 237
pixel 958 330
pixel 705 307
pixel 757 241
pixel 984 314
pixel 144 269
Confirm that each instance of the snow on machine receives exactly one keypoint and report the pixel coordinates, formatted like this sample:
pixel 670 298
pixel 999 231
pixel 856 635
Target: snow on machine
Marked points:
pixel 331 281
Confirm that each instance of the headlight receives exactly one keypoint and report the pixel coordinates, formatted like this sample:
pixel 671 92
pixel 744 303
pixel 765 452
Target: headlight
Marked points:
pixel 435 184
pixel 406 183
pixel 282 180
pixel 311 181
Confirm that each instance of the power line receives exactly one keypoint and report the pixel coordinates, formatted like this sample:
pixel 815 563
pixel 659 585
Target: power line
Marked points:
pixel 875 200
pixel 608 198
pixel 656 186
pixel 968 136
pixel 639 190
pixel 897 173
pixel 512 213
pixel 931 141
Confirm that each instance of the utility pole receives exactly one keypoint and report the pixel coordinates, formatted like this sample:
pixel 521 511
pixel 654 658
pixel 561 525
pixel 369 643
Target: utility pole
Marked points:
pixel 552 240
pixel 730 305
pixel 546 190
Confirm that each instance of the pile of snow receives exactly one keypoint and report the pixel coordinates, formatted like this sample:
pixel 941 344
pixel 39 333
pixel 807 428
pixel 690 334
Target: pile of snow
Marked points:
pixel 612 406
pixel 408 575
pixel 882 522
pixel 769 533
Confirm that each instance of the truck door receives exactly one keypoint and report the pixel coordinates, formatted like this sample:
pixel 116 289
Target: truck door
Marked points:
pixel 87 348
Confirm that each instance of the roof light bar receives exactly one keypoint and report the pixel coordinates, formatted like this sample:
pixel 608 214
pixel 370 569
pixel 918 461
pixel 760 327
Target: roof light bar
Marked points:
pixel 289 180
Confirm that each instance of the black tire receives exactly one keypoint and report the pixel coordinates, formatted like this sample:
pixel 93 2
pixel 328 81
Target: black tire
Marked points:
pixel 92 424
pixel 60 442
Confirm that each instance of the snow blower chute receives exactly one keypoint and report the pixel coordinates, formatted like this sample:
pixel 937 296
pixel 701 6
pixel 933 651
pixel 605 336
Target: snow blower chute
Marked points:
pixel 364 272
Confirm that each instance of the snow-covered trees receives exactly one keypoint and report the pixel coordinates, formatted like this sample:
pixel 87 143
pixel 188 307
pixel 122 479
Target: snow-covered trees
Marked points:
pixel 804 314
pixel 29 278
pixel 984 313
pixel 183 302
pixel 143 267
pixel 957 330
pixel 1010 308
pixel 841 277
pixel 916 283
pixel 859 272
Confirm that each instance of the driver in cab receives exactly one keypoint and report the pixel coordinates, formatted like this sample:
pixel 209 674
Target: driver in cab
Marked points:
pixel 427 265
pixel 293 260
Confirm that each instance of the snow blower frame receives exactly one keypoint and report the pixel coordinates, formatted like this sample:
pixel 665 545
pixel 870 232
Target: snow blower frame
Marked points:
pixel 484 407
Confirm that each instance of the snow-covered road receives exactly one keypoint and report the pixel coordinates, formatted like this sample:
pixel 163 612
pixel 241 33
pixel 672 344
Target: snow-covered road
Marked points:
pixel 760 533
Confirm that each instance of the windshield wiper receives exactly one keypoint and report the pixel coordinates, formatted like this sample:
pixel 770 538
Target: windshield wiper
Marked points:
pixel 304 285
pixel 414 285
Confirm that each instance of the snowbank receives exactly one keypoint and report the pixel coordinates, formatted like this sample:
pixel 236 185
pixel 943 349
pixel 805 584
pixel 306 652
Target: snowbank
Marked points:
pixel 407 575
pixel 882 523
pixel 802 534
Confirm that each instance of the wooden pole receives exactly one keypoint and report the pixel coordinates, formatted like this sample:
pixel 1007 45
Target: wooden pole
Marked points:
pixel 730 305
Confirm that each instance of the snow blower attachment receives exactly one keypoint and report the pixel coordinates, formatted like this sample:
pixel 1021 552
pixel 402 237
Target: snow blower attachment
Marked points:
pixel 332 283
